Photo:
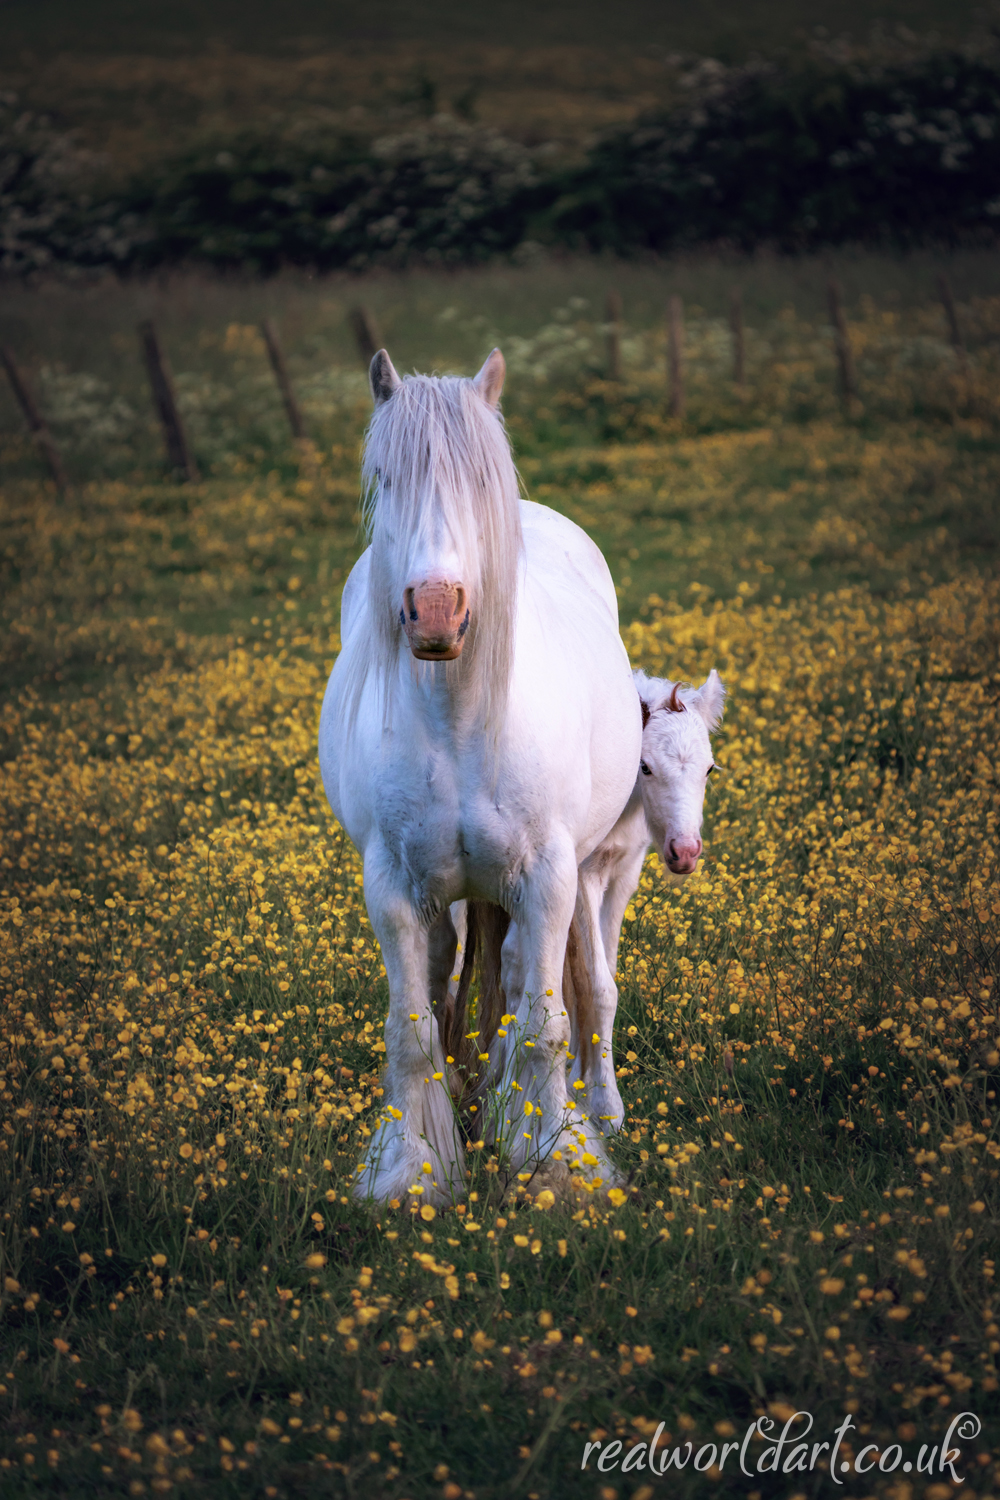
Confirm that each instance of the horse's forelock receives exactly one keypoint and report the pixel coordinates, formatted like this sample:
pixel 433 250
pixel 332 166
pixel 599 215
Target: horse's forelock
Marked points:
pixel 437 448
pixel 437 451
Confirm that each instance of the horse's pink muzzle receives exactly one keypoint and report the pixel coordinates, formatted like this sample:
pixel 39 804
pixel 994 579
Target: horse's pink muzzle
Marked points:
pixel 435 617
pixel 681 856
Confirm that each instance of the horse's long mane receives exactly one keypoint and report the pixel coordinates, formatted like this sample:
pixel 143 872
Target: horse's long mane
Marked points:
pixel 437 458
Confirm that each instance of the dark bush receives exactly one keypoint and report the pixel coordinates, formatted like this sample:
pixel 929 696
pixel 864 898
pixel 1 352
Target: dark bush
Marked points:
pixel 54 207
pixel 815 156
pixel 794 158
pixel 445 191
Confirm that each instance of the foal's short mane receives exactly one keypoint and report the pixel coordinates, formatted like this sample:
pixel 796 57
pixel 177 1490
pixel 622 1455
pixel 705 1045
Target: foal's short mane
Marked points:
pixel 437 458
pixel 659 694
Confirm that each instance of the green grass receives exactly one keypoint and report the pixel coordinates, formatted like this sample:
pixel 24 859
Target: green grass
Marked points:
pixel 79 345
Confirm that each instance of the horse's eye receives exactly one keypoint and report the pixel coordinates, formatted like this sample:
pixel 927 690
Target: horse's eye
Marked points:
pixel 644 768
pixel 711 769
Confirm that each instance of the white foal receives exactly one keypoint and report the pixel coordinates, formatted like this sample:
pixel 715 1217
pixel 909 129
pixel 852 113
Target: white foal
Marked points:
pixel 462 774
pixel 665 810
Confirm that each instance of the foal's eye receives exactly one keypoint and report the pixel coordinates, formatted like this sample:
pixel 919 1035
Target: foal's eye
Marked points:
pixel 644 768
pixel 710 770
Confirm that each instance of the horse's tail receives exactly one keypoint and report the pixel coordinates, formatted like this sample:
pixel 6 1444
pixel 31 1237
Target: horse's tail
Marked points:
pixel 486 928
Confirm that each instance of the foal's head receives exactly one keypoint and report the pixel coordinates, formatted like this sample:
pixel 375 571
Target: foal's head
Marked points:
pixel 443 510
pixel 677 762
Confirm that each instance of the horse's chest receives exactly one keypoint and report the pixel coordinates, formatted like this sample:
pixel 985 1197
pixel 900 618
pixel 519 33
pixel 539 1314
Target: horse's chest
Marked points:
pixel 452 840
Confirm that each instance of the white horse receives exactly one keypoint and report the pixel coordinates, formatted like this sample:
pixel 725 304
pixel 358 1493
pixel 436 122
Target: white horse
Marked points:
pixel 665 810
pixel 478 740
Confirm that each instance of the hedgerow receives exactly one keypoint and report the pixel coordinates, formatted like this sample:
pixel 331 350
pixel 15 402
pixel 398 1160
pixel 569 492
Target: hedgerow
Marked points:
pixel 815 156
pixel 821 152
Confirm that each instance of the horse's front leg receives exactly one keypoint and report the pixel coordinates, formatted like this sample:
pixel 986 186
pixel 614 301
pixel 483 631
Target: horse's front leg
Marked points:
pixel 538 1115
pixel 417 1145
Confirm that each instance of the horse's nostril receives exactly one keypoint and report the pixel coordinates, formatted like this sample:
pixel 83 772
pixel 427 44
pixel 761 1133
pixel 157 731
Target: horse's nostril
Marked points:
pixel 411 604
pixel 673 851
pixel 459 600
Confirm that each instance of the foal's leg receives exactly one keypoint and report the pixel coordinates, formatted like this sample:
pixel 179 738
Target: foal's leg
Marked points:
pixel 418 1142
pixel 594 1063
pixel 621 888
pixel 599 917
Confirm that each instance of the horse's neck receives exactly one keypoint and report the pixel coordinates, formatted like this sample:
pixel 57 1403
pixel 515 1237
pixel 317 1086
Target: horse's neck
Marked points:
pixel 439 699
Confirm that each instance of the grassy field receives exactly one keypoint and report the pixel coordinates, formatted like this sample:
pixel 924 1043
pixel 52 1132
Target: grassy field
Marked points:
pixel 808 1038
pixel 79 347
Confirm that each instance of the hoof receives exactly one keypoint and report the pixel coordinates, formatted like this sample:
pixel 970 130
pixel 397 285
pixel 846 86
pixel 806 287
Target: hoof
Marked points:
pixel 552 1177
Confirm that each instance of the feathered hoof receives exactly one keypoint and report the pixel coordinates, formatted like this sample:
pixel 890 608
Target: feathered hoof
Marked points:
pixel 389 1190
pixel 553 1177
pixel 395 1169
pixel 567 1188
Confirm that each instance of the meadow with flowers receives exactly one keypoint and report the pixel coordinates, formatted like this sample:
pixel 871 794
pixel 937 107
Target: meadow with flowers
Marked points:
pixel 191 1301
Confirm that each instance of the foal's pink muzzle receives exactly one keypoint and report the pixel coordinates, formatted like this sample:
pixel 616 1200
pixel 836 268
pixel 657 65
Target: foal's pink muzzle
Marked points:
pixel 681 856
pixel 435 617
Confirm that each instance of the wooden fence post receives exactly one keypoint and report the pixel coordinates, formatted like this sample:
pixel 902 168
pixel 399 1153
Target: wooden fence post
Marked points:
pixel 845 358
pixel 179 455
pixel 954 330
pixel 277 358
pixel 675 355
pixel 739 353
pixel 365 333
pixel 34 418
pixel 613 318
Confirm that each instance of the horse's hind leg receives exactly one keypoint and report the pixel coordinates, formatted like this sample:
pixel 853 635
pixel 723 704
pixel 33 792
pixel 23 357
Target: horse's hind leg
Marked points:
pixel 418 1143
pixel 459 913
pixel 442 950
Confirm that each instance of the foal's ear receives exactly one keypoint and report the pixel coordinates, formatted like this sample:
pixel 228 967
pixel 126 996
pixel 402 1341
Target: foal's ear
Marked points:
pixel 710 699
pixel 645 711
pixel 489 381
pixel 382 378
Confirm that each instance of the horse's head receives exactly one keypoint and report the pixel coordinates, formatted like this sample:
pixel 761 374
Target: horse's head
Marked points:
pixel 426 448
pixel 676 763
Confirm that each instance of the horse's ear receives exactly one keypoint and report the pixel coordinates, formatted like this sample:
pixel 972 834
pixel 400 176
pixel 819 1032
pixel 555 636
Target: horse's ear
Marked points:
pixel 382 378
pixel 645 711
pixel 489 381
pixel 710 699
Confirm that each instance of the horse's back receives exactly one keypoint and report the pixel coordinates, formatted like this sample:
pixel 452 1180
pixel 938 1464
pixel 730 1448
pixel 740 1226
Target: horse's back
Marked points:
pixel 561 551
